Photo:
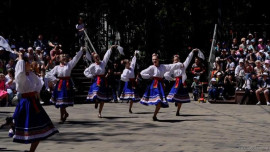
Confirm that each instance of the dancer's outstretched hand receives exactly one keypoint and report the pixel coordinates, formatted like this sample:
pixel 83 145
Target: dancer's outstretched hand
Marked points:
pixel 114 46
pixel 83 48
pixel 195 50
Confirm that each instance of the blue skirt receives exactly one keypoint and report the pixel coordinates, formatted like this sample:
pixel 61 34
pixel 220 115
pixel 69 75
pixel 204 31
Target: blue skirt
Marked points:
pixel 63 95
pixel 99 91
pixel 129 93
pixel 31 122
pixel 178 94
pixel 154 95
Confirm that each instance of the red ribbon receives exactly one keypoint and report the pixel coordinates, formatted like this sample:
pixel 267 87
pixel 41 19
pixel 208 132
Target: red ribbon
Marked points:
pixel 156 80
pixel 61 83
pixel 177 79
pixel 99 78
pixel 32 97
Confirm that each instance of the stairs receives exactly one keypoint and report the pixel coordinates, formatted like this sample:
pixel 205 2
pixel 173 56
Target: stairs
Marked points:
pixel 81 83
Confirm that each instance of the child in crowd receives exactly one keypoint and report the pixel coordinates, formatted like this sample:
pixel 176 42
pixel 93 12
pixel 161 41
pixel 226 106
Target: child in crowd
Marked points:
pixel 3 92
pixel 213 89
pixel 196 88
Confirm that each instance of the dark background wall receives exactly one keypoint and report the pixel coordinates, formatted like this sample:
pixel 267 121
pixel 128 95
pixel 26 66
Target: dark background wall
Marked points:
pixel 164 25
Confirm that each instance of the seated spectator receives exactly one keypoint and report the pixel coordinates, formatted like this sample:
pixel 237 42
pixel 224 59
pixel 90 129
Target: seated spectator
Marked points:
pixel 195 88
pixel 267 47
pixel 3 92
pixel 198 68
pixel 241 54
pixel 258 69
pixel 234 44
pixel 217 67
pixel 251 84
pixel 261 46
pixel 11 64
pixel 218 49
pixel 213 89
pixel 230 65
pixel 234 56
pixel 10 85
pixel 266 66
pixel 36 68
pixel 252 46
pixel 251 57
pixel 267 55
pixel 39 56
pixel 261 56
pixel 30 54
pixel 49 64
pixel 22 50
pixel 55 53
pixel 249 68
pixel 229 86
pixel 249 38
pixel 53 43
pixel 264 85
pixel 225 47
pixel 240 75
pixel 220 82
pixel 40 42
pixel 223 58
pixel 243 44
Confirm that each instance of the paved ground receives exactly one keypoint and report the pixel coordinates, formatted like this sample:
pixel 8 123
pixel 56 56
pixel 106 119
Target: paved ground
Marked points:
pixel 202 127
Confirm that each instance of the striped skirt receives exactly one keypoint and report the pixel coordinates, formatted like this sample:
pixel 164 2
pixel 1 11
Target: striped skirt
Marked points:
pixel 178 93
pixel 154 94
pixel 99 90
pixel 129 91
pixel 63 94
pixel 31 121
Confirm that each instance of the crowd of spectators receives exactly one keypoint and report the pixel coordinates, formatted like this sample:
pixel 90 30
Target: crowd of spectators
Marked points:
pixel 42 54
pixel 241 66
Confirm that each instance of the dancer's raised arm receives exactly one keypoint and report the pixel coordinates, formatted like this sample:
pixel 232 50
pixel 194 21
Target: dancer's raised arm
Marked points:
pixel 107 55
pixel 133 62
pixel 189 58
pixel 76 58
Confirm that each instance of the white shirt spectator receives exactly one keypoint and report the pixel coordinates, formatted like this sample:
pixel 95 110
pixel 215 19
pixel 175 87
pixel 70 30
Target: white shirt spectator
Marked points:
pixel 11 86
pixel 230 66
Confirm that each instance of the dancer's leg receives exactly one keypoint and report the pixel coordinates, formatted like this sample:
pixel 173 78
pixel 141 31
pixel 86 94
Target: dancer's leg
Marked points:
pixel 100 109
pixel 130 106
pixel 156 111
pixel 34 146
pixel 178 109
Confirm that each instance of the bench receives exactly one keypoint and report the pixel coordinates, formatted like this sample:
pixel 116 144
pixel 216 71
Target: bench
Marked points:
pixel 239 95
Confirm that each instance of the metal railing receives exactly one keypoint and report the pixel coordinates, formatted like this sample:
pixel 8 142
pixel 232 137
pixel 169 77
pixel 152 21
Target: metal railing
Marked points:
pixel 211 58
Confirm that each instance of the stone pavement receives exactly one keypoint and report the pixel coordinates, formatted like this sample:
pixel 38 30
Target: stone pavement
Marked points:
pixel 201 127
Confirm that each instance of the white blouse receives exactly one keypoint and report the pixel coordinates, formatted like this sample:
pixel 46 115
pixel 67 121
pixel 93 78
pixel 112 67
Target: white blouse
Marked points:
pixel 98 69
pixel 153 71
pixel 129 73
pixel 64 71
pixel 26 83
pixel 179 71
